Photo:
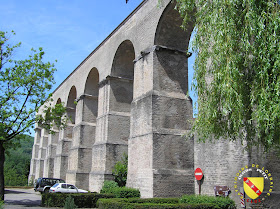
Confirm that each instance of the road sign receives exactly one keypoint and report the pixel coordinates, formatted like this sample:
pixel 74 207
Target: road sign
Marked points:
pixel 198 174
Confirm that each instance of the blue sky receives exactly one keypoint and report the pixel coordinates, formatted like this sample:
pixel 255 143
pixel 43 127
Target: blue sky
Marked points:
pixel 68 30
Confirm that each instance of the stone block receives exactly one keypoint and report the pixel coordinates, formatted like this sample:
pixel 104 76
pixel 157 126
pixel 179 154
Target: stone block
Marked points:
pixel 84 135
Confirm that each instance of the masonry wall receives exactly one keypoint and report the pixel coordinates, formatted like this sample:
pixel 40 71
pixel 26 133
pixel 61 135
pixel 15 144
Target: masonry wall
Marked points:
pixel 222 160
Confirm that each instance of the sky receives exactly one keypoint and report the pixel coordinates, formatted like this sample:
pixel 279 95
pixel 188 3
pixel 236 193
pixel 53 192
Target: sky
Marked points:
pixel 68 31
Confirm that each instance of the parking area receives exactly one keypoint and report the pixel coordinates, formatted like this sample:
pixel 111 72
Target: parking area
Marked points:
pixel 16 198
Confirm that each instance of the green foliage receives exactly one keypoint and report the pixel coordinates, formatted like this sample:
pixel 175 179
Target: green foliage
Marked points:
pixel 1 204
pixel 220 202
pixel 153 203
pixel 17 162
pixel 124 192
pixel 120 171
pixel 54 116
pixel 69 203
pixel 24 88
pixel 108 186
pixel 111 187
pixel 170 200
pixel 24 85
pixel 236 69
pixel 81 200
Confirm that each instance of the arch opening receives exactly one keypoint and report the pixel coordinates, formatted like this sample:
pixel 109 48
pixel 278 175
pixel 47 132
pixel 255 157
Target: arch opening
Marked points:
pixel 90 109
pixel 121 79
pixel 71 107
pixel 172 55
pixel 58 101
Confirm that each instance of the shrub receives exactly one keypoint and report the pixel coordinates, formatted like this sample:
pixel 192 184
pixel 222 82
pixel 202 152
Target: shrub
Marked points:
pixel 148 203
pixel 125 192
pixel 170 200
pixel 81 200
pixel 111 187
pixel 1 204
pixel 220 202
pixel 120 171
pixel 108 186
pixel 69 203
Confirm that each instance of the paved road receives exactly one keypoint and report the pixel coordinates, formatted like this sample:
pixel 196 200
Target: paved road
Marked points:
pixel 22 198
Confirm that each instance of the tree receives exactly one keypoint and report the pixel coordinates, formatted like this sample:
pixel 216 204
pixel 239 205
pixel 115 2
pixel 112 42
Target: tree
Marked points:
pixel 236 69
pixel 24 88
pixel 17 162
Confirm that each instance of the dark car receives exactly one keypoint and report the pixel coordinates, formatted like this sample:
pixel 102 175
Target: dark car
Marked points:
pixel 43 185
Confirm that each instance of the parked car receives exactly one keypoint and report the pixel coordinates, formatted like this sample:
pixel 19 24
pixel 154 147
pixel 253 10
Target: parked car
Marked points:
pixel 66 188
pixel 43 185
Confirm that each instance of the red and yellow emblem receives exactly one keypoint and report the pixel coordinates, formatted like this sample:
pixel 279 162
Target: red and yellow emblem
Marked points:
pixel 253 186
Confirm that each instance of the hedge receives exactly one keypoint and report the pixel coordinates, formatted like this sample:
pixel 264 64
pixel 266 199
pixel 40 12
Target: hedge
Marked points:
pixel 81 200
pixel 169 200
pixel 108 186
pixel 119 192
pixel 220 202
pixel 154 203
pixel 125 192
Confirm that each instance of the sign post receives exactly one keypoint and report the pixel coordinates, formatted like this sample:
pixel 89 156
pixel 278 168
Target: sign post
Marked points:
pixel 242 198
pixel 198 175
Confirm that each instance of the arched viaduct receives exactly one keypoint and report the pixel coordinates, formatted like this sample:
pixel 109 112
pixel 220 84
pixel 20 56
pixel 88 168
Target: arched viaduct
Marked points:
pixel 129 95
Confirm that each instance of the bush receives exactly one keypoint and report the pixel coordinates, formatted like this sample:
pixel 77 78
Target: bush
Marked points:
pixel 81 200
pixel 108 186
pixel 154 203
pixel 111 187
pixel 220 202
pixel 170 200
pixel 1 204
pixel 120 171
pixel 125 192
pixel 69 203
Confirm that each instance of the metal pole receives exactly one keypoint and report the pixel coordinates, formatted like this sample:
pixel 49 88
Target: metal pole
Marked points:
pixel 199 188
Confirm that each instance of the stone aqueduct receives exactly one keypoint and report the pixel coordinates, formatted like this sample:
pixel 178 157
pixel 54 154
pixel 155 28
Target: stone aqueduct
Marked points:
pixel 130 95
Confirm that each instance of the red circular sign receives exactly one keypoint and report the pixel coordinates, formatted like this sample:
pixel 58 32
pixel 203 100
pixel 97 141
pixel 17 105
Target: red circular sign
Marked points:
pixel 198 174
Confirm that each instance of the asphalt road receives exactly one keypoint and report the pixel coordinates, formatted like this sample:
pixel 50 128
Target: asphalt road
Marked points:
pixel 22 198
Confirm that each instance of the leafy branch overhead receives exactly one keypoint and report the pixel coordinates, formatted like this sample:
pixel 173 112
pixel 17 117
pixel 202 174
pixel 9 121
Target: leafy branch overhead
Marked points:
pixel 236 69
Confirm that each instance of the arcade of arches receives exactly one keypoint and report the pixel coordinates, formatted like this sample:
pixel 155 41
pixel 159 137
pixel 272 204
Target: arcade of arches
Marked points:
pixel 129 95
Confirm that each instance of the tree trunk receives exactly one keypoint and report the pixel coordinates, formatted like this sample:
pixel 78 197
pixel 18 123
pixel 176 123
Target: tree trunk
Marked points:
pixel 2 160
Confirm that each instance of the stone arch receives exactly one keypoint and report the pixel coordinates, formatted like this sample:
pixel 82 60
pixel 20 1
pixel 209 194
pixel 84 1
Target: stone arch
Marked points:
pixel 71 106
pixel 58 101
pixel 91 92
pixel 170 114
pixel 122 75
pixel 123 65
pixel 171 51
